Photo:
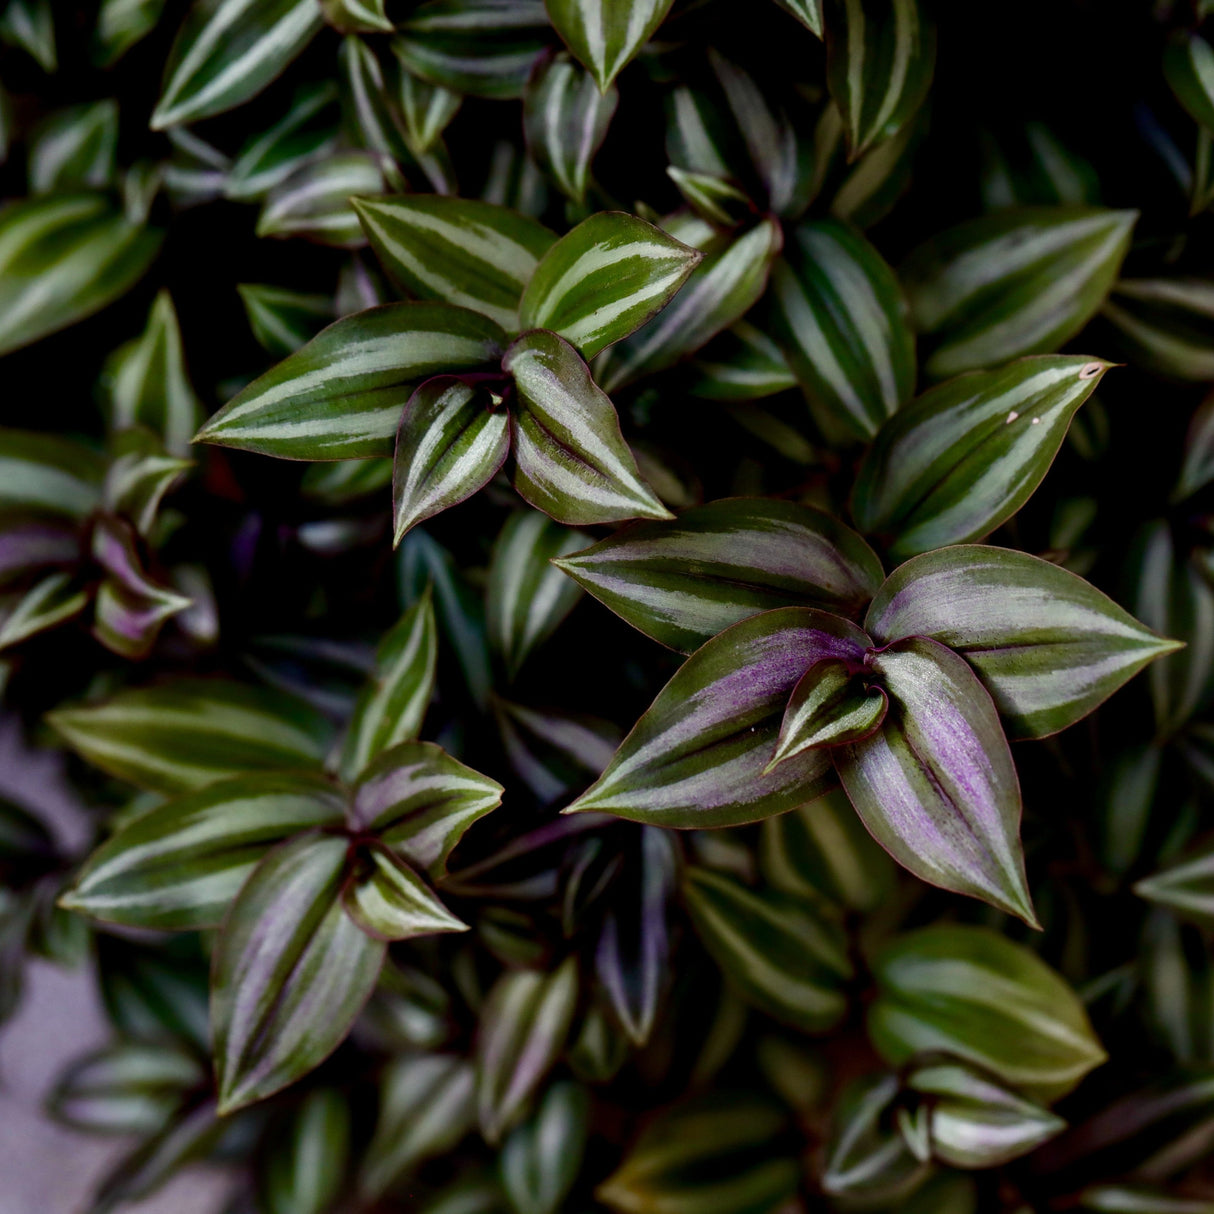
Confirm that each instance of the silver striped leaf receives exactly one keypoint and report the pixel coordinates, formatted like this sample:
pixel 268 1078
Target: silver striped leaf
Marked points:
pixel 808 12
pixel 1165 325
pixel 283 320
pixel 1188 67
pixel 30 25
pixel 75 149
pixel 565 119
pixel 426 110
pixel 357 16
pixel 389 901
pixel 227 51
pixel 341 396
pixel 604 35
pixel 571 461
pixel 43 474
pixel 741 364
pixel 317 200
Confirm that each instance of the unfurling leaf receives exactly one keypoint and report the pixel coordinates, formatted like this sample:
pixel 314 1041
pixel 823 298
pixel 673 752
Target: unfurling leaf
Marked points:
pixel 604 280
pixel 830 706
pixel 697 757
pixel 291 972
pixel 571 459
pixel 606 34
pixel 1016 282
pixel 935 784
pixel 389 901
pixel 970 992
pixel 965 456
pixel 1047 646
pixel 780 954
pixel 341 396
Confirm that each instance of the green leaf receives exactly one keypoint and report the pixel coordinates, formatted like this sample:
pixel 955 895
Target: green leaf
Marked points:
pixel 830 706
pixel 965 456
pixel 721 1154
pixel 523 1027
pixel 604 280
pixel 684 581
pixel 822 851
pixel 464 252
pixel 1197 470
pixel 389 901
pixel 291 972
pixel 454 437
pixel 720 290
pixel 283 320
pixel 841 318
pixel 127 1088
pixel 305 1168
pixel 179 866
pixel 357 16
pixel 1048 646
pixel 30 25
pixel 1188 67
pixel 418 800
pixel 148 383
pixel 973 1123
pixel 75 149
pixel 341 395
pixel 62 258
pixel 46 474
pixel 697 756
pixel 426 110
pixel 808 12
pixel 1034 167
pixel 879 64
pixel 305 132
pixel 970 992
pixel 1165 325
pixel 527 598
pixel 1141 1199
pixel 427 1105
pixel 742 364
pixel 1017 282
pixel 540 1160
pixel 565 119
pixel 393 703
pixel 317 200
pixel 486 48
pixel 49 602
pixel 571 460
pixel 781 956
pixel 182 735
pixel 605 35
pixel 120 24
pixel 935 784
pixel 866 1158
pixel 372 121
pixel 714 199
pixel 228 51
pixel 1185 887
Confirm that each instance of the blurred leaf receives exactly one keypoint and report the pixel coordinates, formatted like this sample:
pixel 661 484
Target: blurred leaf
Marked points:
pixel 316 200
pixel 1165 324
pixel 973 993
pixel 282 1000
pixel 283 320
pixel 30 25
pixel 183 735
pixel 522 1030
pixel 304 133
pixel 121 24
pixel 965 456
pixel 357 16
pixel 866 1158
pixel 49 602
pixel 305 1171
pixel 75 149
pixel 541 1159
pixel 1185 886
pixel 741 364
pixel 571 461
pixel 342 394
pixel 606 35
pixel 808 12
pixel 1188 67
pixel 1035 168
pixel 228 51
pixel 696 758
pixel 1016 282
pixel 426 110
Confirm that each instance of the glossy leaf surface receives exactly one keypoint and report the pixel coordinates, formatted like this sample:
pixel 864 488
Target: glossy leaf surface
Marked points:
pixel 606 34
pixel 965 456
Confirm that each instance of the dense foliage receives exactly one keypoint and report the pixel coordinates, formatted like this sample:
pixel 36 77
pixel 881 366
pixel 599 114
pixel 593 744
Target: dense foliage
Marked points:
pixel 575 551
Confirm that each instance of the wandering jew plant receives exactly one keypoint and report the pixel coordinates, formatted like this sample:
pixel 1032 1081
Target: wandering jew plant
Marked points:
pixel 626 591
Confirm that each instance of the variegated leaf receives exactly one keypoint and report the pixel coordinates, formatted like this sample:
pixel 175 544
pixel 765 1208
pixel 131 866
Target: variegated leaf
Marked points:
pixel 808 12
pixel 454 436
pixel 426 110
pixel 880 60
pixel 389 901
pixel 51 601
pixel 180 865
pixel 1017 282
pixel 605 34
pixel 604 280
pixel 228 51
pixel 291 972
pixel 741 364
pixel 781 955
pixel 527 597
pixel 830 706
pixel 30 25
pixel 317 200
pixel 1185 887
pixel 935 784
pixel 541 1160
pixel 565 118
pixel 1165 325
pixel 571 461
pixel 357 16
pixel 45 474
pixel 459 250
pixel 965 456
pixel 182 735
pixel 75 149
pixel 841 318
pixel 697 756
pixel 283 320
pixel 1048 646
pixel 684 581
pixel 341 395
pixel 62 258
pixel 1188 67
